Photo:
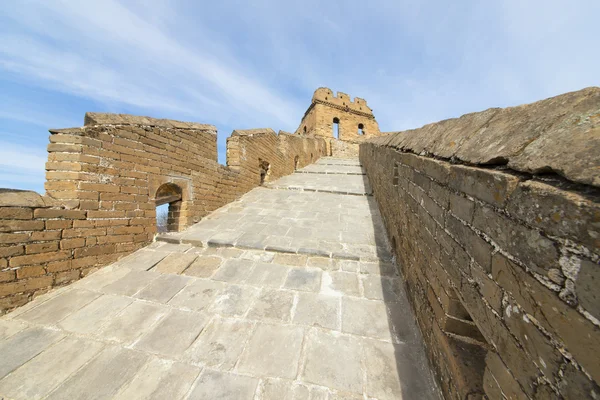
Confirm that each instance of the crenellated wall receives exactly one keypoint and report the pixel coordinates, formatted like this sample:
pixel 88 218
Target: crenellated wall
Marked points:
pixel 495 222
pixel 104 181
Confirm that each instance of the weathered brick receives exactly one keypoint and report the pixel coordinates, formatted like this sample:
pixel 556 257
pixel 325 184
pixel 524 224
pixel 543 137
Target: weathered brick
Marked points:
pixel 57 266
pixel 491 186
pixel 30 272
pixel 94 251
pixel 72 243
pixel 557 212
pixel 528 245
pixel 66 276
pixel 58 224
pixel 59 213
pixel 12 251
pixel 7 225
pixel 10 238
pixel 38 258
pixel 60 185
pixel 45 236
pixel 462 207
pixel 15 213
pixel 25 285
pixel 587 287
pixel 66 148
pixel 41 247
pixel 7 276
pixel 578 334
pixel 497 372
pixel 478 248
pixel 99 187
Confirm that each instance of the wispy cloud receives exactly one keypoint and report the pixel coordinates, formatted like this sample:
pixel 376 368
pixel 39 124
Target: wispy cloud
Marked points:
pixel 21 167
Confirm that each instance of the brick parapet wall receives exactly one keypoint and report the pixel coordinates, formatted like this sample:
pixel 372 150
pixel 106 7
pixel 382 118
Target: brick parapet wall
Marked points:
pixel 102 180
pixel 501 265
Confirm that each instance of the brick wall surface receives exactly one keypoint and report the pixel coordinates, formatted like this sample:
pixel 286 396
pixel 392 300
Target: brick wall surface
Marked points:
pixel 501 256
pixel 102 180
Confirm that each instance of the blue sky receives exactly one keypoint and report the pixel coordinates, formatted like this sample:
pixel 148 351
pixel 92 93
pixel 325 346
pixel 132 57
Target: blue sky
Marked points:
pixel 247 64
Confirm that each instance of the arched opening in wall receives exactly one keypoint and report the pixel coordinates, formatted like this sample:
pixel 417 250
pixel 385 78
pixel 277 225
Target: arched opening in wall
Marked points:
pixel 360 129
pixel 296 161
pixel 336 128
pixel 311 157
pixel 264 168
pixel 168 208
pixel 305 130
pixel 466 343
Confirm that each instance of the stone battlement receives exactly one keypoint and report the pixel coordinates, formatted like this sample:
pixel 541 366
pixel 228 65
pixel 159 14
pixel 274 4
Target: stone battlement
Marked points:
pixel 342 100
pixel 92 118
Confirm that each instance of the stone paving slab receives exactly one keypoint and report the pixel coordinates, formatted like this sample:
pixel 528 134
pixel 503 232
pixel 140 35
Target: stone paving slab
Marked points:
pixel 323 317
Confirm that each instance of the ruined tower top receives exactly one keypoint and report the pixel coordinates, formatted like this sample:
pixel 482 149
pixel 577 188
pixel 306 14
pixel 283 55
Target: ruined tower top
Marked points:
pixel 338 117
pixel 325 95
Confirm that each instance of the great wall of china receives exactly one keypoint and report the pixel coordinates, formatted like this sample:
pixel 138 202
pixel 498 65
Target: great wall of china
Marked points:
pixel 457 260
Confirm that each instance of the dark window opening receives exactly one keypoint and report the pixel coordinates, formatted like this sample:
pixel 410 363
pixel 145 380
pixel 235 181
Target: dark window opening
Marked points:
pixel 360 129
pixel 305 130
pixel 264 169
pixel 168 202
pixel 336 128
pixel 296 161
pixel 395 181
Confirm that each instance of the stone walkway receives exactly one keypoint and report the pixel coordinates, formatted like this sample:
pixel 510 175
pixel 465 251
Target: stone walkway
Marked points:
pixel 287 293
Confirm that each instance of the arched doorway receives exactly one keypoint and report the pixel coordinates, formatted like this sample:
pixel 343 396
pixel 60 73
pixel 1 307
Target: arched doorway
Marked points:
pixel 168 208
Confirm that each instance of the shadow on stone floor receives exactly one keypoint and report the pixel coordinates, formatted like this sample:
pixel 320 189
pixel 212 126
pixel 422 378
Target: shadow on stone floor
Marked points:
pixel 412 367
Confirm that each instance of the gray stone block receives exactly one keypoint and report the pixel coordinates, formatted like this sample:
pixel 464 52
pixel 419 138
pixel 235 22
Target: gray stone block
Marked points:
pixel 103 376
pixel 234 300
pixel 163 288
pixel 198 295
pixel 273 350
pixel 131 283
pixel 175 263
pixel 272 305
pixel 160 379
pixel 89 318
pixel 50 368
pixel 23 346
pixel 132 322
pixel 234 271
pixel 318 310
pixel 216 385
pixel 220 344
pixel 173 334
pixel 59 307
pixel 334 361
pixel 306 279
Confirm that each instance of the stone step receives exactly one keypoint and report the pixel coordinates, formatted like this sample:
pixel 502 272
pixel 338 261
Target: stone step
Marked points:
pixel 381 254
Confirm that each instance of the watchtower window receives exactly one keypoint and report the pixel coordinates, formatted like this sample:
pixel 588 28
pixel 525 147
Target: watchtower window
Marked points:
pixel 360 129
pixel 305 130
pixel 336 127
pixel 296 161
